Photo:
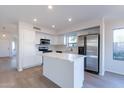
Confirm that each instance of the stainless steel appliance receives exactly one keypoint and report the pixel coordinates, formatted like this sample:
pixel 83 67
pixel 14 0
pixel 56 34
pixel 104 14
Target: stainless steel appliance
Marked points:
pixel 91 50
pixel 81 50
pixel 44 49
pixel 44 41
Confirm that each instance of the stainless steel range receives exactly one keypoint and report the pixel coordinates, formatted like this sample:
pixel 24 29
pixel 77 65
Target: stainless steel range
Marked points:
pixel 44 49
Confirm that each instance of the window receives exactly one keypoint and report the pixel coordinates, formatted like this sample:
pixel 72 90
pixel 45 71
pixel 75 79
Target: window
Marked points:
pixel 72 40
pixel 118 44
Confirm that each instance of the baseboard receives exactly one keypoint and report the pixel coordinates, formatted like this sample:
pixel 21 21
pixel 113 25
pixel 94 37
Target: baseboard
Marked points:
pixel 101 74
pixel 6 57
pixel 30 66
pixel 115 72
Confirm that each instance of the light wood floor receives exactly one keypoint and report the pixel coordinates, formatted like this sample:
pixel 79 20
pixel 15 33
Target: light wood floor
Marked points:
pixel 33 78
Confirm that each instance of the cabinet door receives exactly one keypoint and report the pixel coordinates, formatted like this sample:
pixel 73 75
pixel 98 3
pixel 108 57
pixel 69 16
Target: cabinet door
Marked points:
pixel 37 37
pixel 51 37
pixel 55 42
pixel 60 40
pixel 29 53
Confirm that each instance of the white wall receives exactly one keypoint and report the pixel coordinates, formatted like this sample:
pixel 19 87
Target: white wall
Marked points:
pixel 110 64
pixel 5 48
pixel 6 42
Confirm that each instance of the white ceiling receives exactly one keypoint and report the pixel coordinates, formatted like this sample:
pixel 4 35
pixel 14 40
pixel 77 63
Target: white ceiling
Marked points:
pixel 59 15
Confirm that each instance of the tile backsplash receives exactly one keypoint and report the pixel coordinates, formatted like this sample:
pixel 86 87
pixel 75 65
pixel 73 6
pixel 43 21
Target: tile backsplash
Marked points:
pixel 64 49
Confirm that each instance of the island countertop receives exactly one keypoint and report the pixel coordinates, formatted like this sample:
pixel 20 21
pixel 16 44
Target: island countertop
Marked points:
pixel 63 56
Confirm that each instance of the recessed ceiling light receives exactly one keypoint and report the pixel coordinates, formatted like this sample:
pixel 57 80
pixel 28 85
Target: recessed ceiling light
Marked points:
pixel 69 19
pixel 50 7
pixel 4 35
pixel 53 26
pixel 35 20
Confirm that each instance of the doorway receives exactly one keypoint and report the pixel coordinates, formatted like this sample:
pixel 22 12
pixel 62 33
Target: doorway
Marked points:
pixel 7 52
pixel 13 48
pixel 4 48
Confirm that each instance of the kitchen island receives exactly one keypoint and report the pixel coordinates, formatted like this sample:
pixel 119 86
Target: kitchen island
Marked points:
pixel 66 70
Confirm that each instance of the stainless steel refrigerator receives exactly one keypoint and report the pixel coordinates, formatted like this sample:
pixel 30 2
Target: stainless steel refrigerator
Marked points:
pixel 90 48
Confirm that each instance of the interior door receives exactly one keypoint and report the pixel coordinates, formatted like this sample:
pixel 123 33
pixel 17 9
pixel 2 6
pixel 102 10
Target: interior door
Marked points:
pixel 4 48
pixel 92 52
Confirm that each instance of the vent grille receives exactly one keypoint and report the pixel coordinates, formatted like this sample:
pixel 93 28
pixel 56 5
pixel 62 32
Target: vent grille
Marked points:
pixel 36 28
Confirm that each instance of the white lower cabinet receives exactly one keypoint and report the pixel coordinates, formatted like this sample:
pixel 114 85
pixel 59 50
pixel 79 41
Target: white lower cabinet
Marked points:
pixel 39 57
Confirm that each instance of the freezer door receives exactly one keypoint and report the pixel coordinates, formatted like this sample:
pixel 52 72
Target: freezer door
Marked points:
pixel 92 52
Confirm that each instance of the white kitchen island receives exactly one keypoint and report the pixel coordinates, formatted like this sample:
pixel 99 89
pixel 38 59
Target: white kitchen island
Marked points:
pixel 66 70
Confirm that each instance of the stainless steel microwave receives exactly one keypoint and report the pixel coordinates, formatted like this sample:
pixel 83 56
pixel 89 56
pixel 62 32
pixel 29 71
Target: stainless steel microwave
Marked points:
pixel 44 41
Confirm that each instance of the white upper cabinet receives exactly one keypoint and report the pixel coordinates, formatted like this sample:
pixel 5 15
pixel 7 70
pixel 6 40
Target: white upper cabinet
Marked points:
pixel 61 39
pixel 58 40
pixel 54 39
pixel 37 38
pixel 40 35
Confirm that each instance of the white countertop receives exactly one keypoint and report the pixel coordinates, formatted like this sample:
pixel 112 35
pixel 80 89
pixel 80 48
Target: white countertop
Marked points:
pixel 64 56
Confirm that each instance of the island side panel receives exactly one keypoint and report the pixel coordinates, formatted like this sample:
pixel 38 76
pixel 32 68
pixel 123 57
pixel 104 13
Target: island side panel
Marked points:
pixel 59 71
pixel 79 72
